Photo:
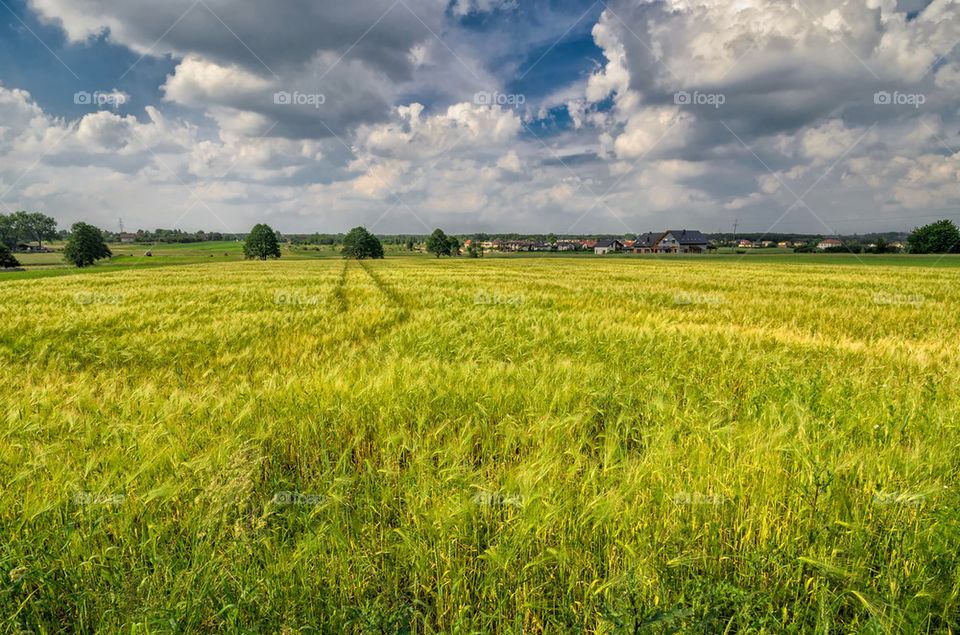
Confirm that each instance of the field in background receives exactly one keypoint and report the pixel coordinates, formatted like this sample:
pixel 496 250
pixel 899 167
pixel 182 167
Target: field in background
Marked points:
pixel 503 444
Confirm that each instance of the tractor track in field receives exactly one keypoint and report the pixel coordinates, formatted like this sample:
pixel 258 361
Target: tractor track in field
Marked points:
pixel 388 290
pixel 341 303
pixel 339 292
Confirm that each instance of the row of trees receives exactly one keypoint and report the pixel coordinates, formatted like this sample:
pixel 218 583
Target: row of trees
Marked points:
pixel 26 226
pixel 86 244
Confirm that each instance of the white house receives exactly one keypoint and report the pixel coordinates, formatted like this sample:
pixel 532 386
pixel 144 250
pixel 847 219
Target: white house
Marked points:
pixel 606 246
pixel 829 242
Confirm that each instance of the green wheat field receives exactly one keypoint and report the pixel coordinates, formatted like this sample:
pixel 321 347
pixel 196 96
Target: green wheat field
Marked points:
pixel 503 445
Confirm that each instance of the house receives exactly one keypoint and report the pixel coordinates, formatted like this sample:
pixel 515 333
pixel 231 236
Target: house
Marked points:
pixel 127 238
pixel 784 244
pixel 799 243
pixel 606 246
pixel 646 243
pixel 685 241
pixel 518 245
pixel 568 245
pixel 898 245
pixel 829 242
pixel 743 242
pixel 766 243
pixel 589 244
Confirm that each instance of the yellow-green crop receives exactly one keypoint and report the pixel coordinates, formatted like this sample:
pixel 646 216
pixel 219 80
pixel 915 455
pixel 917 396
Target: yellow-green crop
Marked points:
pixel 497 445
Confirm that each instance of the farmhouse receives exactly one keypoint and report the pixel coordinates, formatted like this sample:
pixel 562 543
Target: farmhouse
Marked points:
pixel 829 242
pixel 606 246
pixel 127 238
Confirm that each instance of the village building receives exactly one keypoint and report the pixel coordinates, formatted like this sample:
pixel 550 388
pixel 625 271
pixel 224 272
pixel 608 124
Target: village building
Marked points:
pixel 606 246
pixel 685 241
pixel 829 242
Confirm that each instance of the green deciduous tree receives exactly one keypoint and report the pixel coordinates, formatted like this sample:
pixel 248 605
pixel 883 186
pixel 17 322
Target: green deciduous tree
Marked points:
pixel 261 243
pixel 85 245
pixel 360 244
pixel 35 226
pixel 936 238
pixel 8 231
pixel 454 245
pixel 438 243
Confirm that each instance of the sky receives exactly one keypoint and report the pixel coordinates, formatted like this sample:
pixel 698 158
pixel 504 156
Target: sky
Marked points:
pixel 532 116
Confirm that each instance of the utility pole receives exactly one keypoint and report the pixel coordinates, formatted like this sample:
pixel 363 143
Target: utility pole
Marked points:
pixel 736 224
pixel 121 225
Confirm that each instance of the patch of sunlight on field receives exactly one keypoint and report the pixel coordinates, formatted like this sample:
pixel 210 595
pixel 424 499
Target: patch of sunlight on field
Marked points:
pixel 526 445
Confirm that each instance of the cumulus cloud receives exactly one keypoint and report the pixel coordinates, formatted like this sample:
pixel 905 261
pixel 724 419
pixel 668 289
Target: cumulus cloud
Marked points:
pixel 324 115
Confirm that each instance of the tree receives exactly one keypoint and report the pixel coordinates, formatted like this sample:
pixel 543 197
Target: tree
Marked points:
pixel 409 244
pixel 936 238
pixel 261 243
pixel 85 245
pixel 7 260
pixel 8 231
pixel 359 244
pixel 881 246
pixel 36 226
pixel 454 245
pixel 438 243
pixel 473 251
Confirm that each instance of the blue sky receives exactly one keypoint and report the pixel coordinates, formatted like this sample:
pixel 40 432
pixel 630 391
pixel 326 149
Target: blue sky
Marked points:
pixel 605 116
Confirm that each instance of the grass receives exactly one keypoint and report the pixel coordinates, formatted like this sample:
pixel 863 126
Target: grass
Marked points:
pixel 610 445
